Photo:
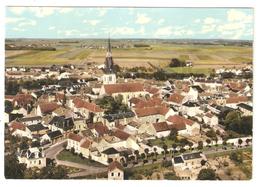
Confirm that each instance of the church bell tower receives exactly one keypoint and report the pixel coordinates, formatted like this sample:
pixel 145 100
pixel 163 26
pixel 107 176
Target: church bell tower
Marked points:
pixel 109 77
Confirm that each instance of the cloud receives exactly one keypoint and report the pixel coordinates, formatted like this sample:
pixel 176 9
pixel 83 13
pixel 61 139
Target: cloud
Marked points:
pixel 236 15
pixel 11 20
pixel 27 23
pixel 142 19
pixel 101 12
pixel 210 20
pixel 68 32
pixel 124 31
pixel 160 21
pixel 18 29
pixel 17 10
pixel 51 28
pixel 39 11
pixel 197 20
pixel 180 31
pixel 92 22
pixel 164 31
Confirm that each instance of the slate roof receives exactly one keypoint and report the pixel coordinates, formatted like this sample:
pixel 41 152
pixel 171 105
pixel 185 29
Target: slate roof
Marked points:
pixel 245 106
pixel 54 134
pixel 178 160
pixel 37 127
pixel 191 156
pixel 110 151
pixel 62 122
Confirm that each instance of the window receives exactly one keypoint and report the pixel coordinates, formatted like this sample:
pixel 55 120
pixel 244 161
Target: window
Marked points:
pixel 112 174
pixel 40 162
pixel 118 174
pixel 157 120
pixel 110 78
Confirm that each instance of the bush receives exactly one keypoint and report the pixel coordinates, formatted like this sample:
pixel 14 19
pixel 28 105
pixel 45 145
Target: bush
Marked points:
pixel 166 163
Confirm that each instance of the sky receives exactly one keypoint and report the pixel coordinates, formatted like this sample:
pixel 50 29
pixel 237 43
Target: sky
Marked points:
pixel 165 23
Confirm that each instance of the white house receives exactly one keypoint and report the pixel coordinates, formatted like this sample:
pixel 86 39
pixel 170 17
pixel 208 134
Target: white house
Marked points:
pixel 115 171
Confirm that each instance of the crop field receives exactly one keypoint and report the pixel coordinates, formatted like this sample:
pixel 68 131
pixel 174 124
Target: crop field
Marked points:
pixel 160 54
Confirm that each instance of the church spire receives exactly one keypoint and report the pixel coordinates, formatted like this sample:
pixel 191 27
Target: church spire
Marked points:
pixel 109 45
pixel 109 64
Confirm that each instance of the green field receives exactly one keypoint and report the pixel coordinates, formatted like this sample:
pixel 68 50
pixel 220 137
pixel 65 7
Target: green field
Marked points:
pixel 68 156
pixel 159 54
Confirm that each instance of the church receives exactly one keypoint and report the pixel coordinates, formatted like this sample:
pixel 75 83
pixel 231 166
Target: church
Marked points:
pixel 109 77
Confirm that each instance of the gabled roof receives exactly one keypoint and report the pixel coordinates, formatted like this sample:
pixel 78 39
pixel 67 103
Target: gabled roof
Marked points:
pixel 122 135
pixel 17 125
pixel 161 126
pixel 37 127
pixel 151 102
pixel 54 134
pixel 148 111
pixel 80 103
pixel 179 122
pixel 123 87
pixel 101 129
pixel 245 106
pixel 115 165
pixel 176 98
pixel 86 144
pixel 236 99
pixel 75 137
pixel 110 151
pixel 23 98
pixel 48 107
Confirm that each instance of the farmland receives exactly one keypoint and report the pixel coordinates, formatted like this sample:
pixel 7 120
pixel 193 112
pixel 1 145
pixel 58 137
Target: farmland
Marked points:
pixel 203 56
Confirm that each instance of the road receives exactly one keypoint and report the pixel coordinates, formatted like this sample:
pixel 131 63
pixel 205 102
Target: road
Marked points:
pixel 52 151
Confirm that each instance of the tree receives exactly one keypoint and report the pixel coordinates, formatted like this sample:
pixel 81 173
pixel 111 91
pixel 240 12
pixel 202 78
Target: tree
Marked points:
pixel 200 145
pixel 175 62
pixel 207 174
pixel 208 141
pixel 240 141
pixel 146 150
pixel 165 147
pixel 248 141
pixel 136 152
pixel 155 152
pixel 237 157
pixel 173 134
pixel 190 145
pixel 203 162
pixel 53 172
pixel 109 160
pixel 13 170
pixel 8 106
pixel 143 156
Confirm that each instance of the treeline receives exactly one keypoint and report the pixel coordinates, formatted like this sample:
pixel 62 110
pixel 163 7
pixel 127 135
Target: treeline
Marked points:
pixel 8 47
pixel 141 45
pixel 160 75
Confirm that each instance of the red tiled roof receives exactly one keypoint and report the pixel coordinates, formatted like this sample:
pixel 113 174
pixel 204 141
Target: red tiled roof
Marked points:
pixel 80 103
pixel 75 137
pixel 115 164
pixel 236 86
pixel 238 99
pixel 86 144
pixel 162 126
pixel 23 99
pixel 152 90
pixel 176 98
pixel 101 129
pixel 149 103
pixel 60 96
pixel 48 107
pixel 123 87
pixel 17 125
pixel 209 115
pixel 148 111
pixel 121 134
pixel 179 122
pixel 9 97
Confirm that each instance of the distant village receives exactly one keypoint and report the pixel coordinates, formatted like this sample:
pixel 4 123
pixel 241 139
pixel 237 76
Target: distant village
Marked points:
pixel 123 123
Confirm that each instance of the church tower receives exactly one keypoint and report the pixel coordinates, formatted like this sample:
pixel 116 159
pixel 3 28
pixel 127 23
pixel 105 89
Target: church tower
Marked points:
pixel 109 77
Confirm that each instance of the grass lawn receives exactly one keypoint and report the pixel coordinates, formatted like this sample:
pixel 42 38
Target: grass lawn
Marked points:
pixel 159 142
pixel 186 70
pixel 68 156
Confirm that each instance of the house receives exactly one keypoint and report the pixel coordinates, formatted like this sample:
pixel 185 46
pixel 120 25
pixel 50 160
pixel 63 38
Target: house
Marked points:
pixel 51 137
pixel 190 108
pixel 32 157
pixel 115 171
pixel 232 101
pixel 183 125
pixel 126 90
pixel 151 114
pixel 176 99
pixel 87 109
pixel 246 110
pixel 46 108
pixel 74 141
pixel 23 100
pixel 210 119
pixel 187 166
pixel 98 129
pixel 30 120
pixel 37 130
pixel 62 124
pixel 85 148
pixel 19 129
pixel 110 154
pixel 160 129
